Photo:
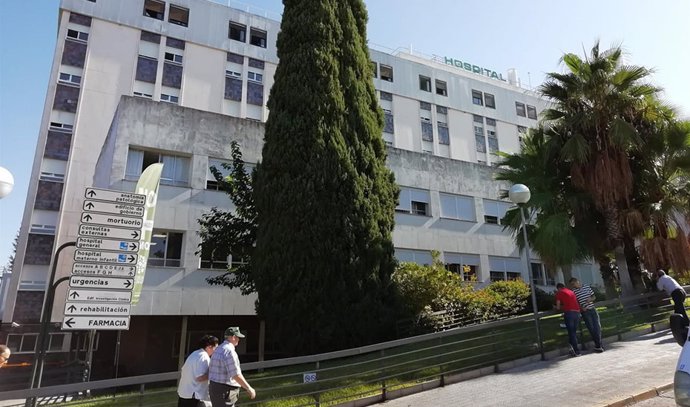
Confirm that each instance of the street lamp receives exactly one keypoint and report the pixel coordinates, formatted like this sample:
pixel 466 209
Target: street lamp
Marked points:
pixel 6 182
pixel 519 194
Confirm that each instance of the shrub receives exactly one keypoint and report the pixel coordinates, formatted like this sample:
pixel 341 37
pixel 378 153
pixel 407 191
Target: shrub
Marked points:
pixel 511 297
pixel 545 300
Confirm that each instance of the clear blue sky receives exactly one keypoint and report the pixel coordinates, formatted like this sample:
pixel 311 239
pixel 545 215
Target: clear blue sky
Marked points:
pixel 529 35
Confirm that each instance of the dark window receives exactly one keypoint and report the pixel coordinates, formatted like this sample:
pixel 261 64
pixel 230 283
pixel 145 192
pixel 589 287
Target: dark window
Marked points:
pixel 214 257
pixel 425 105
pixel 489 100
pixel 531 112
pixel 66 98
pixel 490 121
pixel 146 69
pixel 386 72
pixel 478 119
pixel 255 93
pixel 233 89
pixel 48 195
pixel 493 141
pixel 491 219
pixel 443 134
pixel 80 19
pixel 374 69
pixel 386 96
pixel 427 130
pixel 166 249
pixel 74 53
pixel 388 126
pixel 424 83
pixel 174 43
pixel 441 88
pixel 477 98
pixel 419 208
pixel 441 109
pixel 256 63
pixel 154 9
pixel 77 35
pixel 172 75
pixel 235 58
pixel 178 15
pixel 257 37
pixel 150 37
pixel 520 109
pixel 57 145
pixel 169 56
pixel 237 32
pixel 39 249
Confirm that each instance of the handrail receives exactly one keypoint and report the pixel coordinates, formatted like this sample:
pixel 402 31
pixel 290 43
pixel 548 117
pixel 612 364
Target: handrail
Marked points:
pixel 170 376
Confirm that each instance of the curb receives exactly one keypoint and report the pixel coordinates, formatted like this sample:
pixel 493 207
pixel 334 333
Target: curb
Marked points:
pixel 641 396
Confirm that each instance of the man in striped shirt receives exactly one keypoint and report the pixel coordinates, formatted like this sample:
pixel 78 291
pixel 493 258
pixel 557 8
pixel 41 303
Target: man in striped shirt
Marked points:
pixel 585 297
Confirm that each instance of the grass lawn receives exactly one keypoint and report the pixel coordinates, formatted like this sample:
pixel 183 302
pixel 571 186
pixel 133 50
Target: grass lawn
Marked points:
pixel 350 378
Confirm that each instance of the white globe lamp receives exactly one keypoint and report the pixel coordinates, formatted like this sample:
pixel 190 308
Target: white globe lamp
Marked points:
pixel 6 182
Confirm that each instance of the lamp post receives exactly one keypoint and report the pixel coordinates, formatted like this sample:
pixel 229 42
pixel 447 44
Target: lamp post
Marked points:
pixel 6 182
pixel 519 194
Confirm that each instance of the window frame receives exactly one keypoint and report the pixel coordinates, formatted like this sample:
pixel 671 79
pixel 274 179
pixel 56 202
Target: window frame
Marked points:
pixel 531 112
pixel 421 206
pixel 77 35
pixel 242 30
pixel 70 79
pixel 425 83
pixel 166 261
pixel 477 97
pixel 441 87
pixel 173 57
pixel 158 15
pixel 261 35
pixel 519 106
pixel 184 10
pixel 487 97
pixel 388 69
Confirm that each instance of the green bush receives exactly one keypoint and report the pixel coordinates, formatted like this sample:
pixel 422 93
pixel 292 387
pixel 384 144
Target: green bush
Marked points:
pixel 545 300
pixel 511 296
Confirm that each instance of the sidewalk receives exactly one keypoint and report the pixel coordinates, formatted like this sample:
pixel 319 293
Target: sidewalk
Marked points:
pixel 627 368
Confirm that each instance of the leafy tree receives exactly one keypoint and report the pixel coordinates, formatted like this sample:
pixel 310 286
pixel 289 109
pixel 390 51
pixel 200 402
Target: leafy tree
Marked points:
pixel 325 200
pixel 224 233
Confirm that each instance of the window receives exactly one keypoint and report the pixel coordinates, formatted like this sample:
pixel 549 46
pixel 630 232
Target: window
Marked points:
pixel 146 69
pixel 441 88
pixel 520 109
pixel 425 83
pixel 175 168
pixel 427 130
pixel 61 126
pixel 77 35
pixel 441 109
pixel 169 98
pixel 154 9
pixel 479 139
pixel 425 105
pixel 494 211
pixel 257 37
pixel 214 258
pixel 386 96
pixel 166 249
pixel 493 141
pixel 505 268
pixel 414 201
pixel 374 69
pixel 233 74
pixel 255 77
pixel 489 100
pixel 172 75
pixel 233 88
pixel 143 95
pixel 457 207
pixel 69 78
pixel 211 182
pixel 443 134
pixel 178 15
pixel 466 265
pixel 169 56
pixel 490 121
pixel 522 132
pixel 237 32
pixel 477 98
pixel 540 274
pixel 477 119
pixel 388 125
pixel 386 73
pixel 22 343
pixel 531 112
pixel 421 257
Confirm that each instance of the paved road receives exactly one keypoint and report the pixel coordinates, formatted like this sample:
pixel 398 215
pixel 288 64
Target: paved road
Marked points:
pixel 626 368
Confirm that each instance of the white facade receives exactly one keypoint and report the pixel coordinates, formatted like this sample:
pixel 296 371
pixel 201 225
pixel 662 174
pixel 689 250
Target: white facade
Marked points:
pixel 441 135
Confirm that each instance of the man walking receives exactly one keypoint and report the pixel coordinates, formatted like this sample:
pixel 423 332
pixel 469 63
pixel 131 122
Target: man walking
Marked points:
pixel 585 297
pixel 566 302
pixel 225 374
pixel 675 290
pixel 193 388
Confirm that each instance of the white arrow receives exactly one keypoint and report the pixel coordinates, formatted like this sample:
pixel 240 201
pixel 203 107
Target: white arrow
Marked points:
pixel 115 196
pixel 96 269
pixel 109 231
pixel 96 323
pixel 106 244
pixel 114 208
pixel 101 282
pixel 111 220
pixel 99 296
pixel 105 257
pixel 97 308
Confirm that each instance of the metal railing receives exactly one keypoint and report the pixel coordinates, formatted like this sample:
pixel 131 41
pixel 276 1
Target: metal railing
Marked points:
pixel 381 371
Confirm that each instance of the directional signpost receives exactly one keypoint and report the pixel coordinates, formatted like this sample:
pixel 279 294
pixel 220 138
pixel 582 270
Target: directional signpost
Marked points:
pixel 105 261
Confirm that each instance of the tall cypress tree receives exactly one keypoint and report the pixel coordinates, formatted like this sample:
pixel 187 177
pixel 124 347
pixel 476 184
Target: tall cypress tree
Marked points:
pixel 325 199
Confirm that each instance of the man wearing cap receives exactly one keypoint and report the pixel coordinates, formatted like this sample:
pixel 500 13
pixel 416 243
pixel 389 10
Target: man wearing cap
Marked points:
pixel 224 372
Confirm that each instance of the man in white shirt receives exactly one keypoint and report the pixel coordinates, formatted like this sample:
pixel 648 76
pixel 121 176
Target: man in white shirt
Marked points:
pixel 671 287
pixel 193 388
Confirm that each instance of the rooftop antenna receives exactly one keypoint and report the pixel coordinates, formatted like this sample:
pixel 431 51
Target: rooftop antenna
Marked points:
pixel 529 80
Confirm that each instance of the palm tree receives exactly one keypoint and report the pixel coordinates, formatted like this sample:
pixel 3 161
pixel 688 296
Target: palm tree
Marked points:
pixel 594 106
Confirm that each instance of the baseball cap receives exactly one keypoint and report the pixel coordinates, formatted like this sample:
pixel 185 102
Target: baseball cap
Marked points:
pixel 233 331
